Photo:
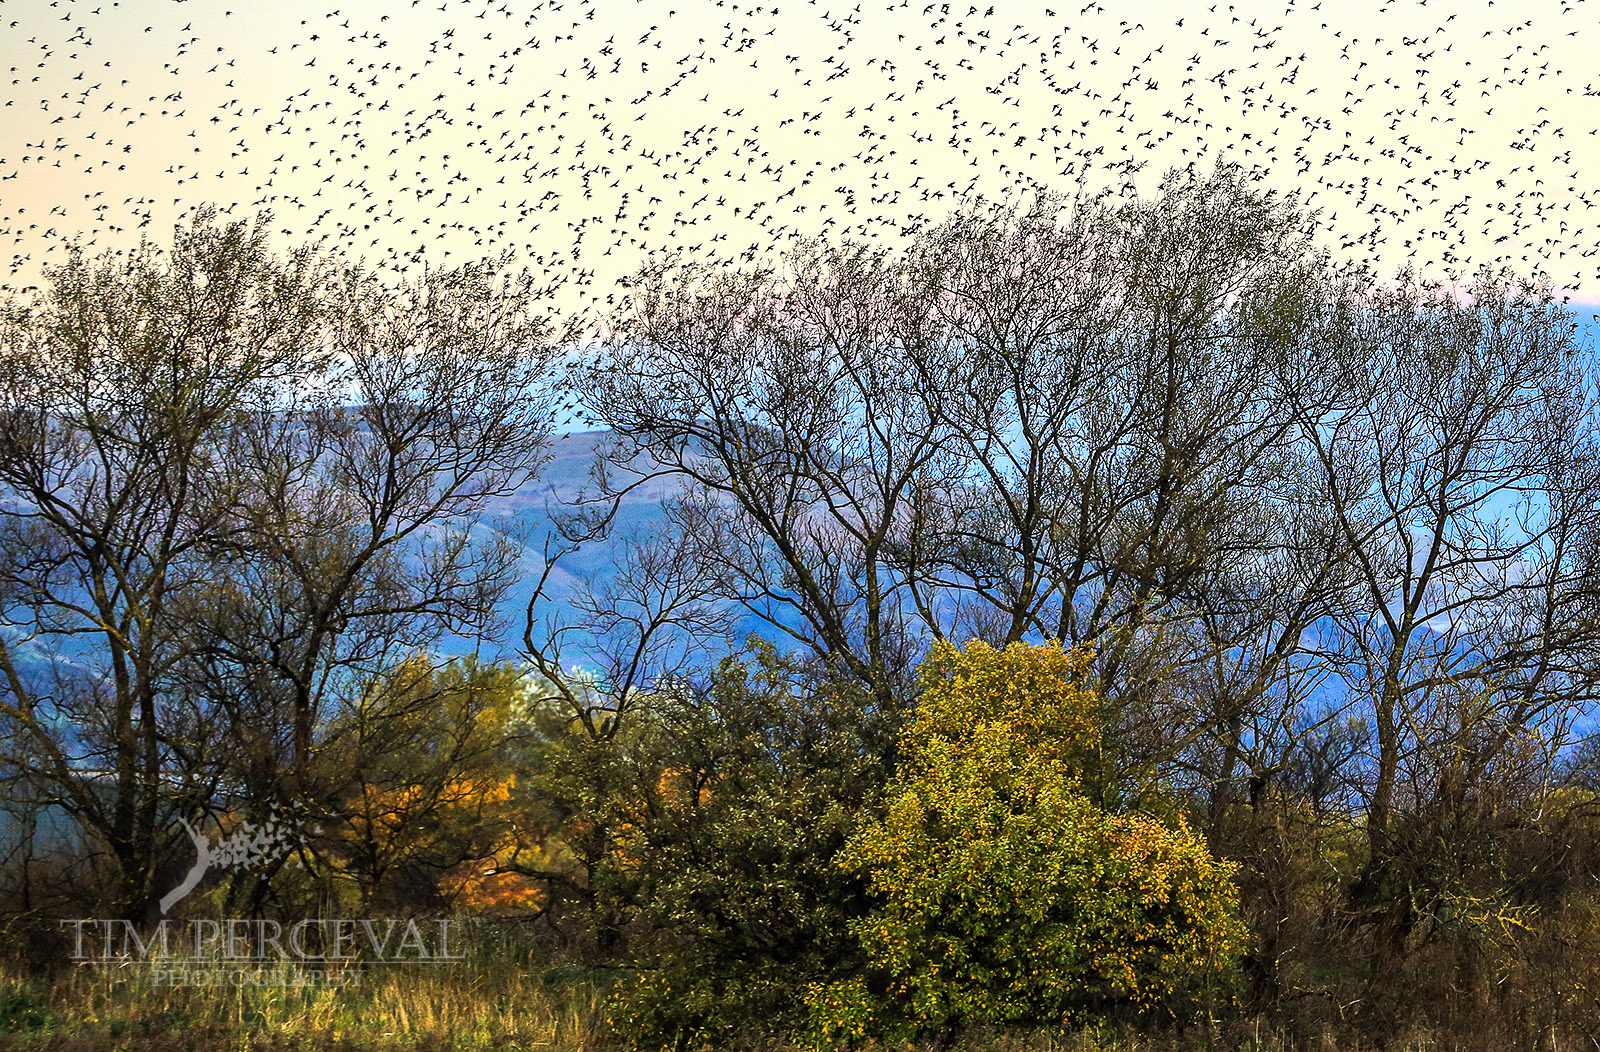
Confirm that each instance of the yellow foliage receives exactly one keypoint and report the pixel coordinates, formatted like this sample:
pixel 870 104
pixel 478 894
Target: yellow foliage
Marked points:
pixel 1029 695
pixel 1005 894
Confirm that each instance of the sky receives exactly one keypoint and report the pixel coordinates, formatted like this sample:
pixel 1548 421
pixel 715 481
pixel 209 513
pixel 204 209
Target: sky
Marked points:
pixel 585 138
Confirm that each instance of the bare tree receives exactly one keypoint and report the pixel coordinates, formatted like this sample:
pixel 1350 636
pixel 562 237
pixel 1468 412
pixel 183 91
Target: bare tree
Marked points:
pixel 363 537
pixel 1456 440
pixel 1065 421
pixel 796 406
pixel 662 610
pixel 1128 478
pixel 117 389
pixel 236 490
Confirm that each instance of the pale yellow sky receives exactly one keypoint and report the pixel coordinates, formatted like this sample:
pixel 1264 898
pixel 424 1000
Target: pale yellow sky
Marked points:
pixel 584 135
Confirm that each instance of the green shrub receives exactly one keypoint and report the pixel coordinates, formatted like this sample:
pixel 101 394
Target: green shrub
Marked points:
pixel 738 902
pixel 22 1009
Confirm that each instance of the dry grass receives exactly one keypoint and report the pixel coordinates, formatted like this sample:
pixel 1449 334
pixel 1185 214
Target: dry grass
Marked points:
pixel 488 1004
pixel 470 1007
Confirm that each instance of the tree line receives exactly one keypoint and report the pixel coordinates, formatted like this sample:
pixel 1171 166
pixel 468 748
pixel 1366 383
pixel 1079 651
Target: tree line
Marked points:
pixel 1318 548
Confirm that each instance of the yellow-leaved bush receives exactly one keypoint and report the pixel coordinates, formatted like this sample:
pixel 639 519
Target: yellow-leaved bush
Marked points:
pixel 1004 895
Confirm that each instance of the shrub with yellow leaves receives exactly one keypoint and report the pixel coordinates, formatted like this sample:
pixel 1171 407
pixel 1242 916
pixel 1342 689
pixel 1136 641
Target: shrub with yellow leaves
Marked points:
pixel 1004 895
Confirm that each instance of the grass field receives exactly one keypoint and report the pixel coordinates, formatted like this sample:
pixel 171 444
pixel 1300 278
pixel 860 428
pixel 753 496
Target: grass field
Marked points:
pixel 482 1005
pixel 466 1008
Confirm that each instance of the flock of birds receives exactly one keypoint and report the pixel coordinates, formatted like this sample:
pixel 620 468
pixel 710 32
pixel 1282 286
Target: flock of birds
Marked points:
pixel 583 136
